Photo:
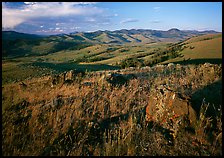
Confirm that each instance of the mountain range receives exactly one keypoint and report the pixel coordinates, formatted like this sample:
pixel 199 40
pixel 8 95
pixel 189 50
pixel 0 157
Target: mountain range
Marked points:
pixel 19 44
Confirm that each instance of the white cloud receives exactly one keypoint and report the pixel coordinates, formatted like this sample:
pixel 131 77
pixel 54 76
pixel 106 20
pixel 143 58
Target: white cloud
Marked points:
pixel 129 20
pixel 12 17
pixel 155 21
pixel 90 19
pixel 51 30
pixel 30 3
pixel 75 28
pixel 105 23
pixel 78 3
pixel 156 9
pixel 59 23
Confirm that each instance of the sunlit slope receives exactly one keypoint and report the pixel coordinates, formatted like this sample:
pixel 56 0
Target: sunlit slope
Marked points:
pixel 201 47
pixel 211 48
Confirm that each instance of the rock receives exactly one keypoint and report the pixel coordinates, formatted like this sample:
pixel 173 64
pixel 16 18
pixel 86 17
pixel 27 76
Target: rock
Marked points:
pixel 70 75
pixel 62 77
pixel 207 65
pixel 170 109
pixel 170 65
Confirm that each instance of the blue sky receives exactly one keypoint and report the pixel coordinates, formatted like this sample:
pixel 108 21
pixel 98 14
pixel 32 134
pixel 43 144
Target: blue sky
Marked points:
pixel 66 17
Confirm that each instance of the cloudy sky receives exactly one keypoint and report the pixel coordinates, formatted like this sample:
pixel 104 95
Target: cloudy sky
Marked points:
pixel 66 17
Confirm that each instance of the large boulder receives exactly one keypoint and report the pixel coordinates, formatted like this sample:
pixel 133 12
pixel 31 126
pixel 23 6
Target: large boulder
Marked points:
pixel 170 109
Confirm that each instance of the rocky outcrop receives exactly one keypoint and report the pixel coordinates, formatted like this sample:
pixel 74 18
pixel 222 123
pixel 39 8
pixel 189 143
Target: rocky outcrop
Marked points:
pixel 65 77
pixel 170 109
pixel 116 79
pixel 70 75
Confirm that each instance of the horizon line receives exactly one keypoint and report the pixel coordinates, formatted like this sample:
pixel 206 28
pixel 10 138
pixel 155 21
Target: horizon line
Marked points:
pixel 110 31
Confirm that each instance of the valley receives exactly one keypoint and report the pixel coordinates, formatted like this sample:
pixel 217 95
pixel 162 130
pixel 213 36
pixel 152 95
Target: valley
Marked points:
pixel 41 55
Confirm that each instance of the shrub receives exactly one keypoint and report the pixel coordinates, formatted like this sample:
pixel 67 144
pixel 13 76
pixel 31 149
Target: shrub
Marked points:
pixel 131 62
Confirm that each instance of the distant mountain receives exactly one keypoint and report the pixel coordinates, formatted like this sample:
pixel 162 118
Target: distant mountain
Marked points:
pixel 15 44
pixel 13 35
pixel 21 44
pixel 140 36
pixel 117 36
pixel 208 32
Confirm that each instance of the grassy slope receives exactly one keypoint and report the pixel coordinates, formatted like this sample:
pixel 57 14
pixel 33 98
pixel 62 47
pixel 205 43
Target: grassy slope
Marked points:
pixel 34 131
pixel 39 129
pixel 105 38
pixel 142 38
pixel 205 47
pixel 14 71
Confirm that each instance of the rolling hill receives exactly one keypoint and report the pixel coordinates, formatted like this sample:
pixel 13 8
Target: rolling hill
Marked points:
pixel 94 57
pixel 205 47
pixel 19 44
pixel 13 35
pixel 92 93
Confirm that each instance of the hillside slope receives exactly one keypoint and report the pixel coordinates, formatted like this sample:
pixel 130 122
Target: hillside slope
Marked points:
pixel 104 113
pixel 18 44
pixel 205 47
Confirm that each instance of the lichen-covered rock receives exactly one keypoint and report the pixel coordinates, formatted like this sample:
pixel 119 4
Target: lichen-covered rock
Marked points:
pixel 169 109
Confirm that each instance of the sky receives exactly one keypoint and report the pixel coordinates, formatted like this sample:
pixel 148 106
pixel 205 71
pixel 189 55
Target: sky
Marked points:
pixel 67 17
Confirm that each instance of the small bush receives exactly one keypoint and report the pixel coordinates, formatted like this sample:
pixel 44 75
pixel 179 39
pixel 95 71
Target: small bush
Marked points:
pixel 131 62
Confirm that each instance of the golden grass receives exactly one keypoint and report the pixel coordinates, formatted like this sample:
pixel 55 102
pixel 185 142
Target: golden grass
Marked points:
pixel 91 115
pixel 204 49
pixel 203 37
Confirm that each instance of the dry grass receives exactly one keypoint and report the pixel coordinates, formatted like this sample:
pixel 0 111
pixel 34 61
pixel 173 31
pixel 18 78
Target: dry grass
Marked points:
pixel 205 49
pixel 103 119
